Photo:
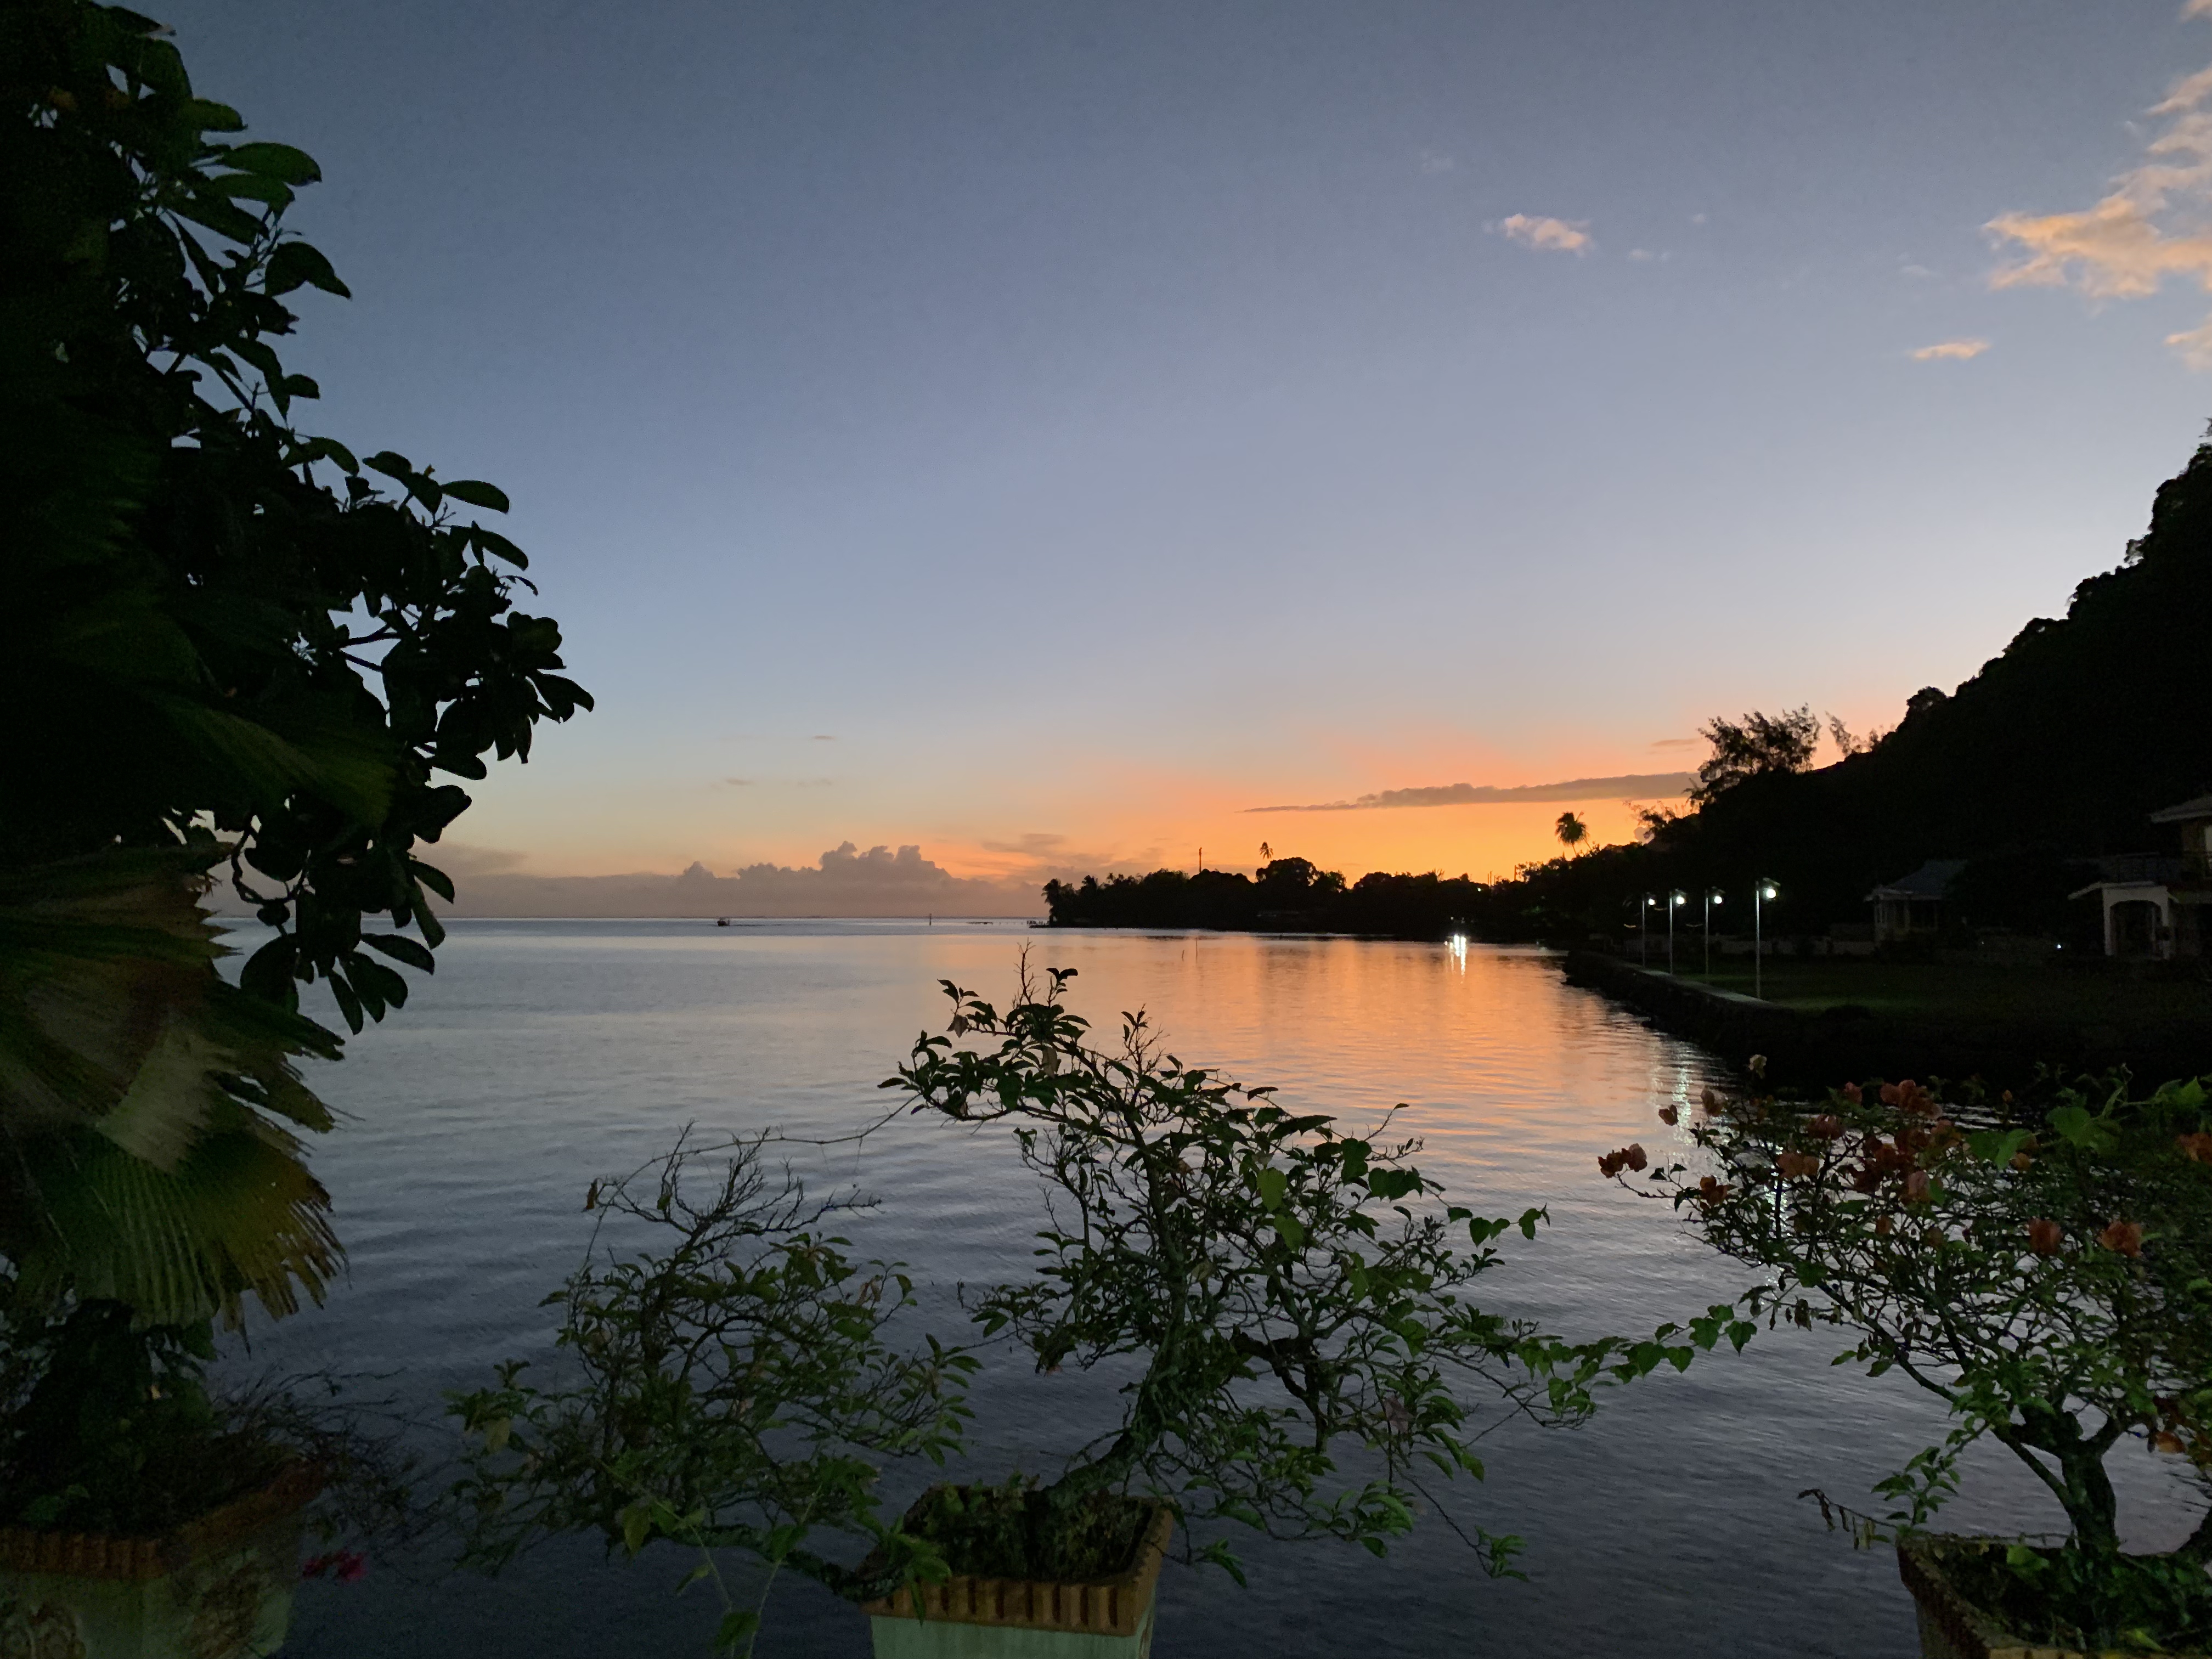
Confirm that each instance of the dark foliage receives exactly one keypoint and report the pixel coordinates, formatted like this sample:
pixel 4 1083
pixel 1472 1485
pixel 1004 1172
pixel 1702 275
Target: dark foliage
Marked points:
pixel 223 641
pixel 203 633
pixel 1290 896
pixel 1753 747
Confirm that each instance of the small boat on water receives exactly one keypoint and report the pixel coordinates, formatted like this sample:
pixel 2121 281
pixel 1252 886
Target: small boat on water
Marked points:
pixel 721 922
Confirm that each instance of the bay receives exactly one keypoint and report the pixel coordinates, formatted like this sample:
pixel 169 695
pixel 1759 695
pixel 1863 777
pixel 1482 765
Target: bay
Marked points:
pixel 544 1054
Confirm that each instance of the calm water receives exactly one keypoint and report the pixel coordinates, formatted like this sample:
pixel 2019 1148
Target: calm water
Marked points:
pixel 543 1053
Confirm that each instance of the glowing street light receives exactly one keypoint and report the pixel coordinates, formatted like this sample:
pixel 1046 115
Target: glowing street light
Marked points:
pixel 1713 895
pixel 1763 890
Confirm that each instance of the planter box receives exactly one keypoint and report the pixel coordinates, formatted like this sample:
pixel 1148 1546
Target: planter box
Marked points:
pixel 1952 1628
pixel 974 1618
pixel 220 1588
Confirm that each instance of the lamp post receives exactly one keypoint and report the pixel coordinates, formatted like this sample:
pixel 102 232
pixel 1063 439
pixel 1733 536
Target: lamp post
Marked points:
pixel 1676 899
pixel 1713 895
pixel 1761 890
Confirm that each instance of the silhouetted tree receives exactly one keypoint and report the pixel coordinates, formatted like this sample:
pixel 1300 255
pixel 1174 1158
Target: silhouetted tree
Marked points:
pixel 1756 745
pixel 1571 830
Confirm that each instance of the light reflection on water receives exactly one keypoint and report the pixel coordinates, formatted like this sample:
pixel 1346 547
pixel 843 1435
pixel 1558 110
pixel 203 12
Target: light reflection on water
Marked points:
pixel 545 1052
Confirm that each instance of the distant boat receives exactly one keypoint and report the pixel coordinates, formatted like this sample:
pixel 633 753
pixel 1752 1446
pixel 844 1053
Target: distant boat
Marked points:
pixel 721 922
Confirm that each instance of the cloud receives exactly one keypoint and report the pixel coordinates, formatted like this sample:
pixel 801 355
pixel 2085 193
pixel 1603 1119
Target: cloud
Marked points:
pixel 1435 161
pixel 742 783
pixel 1677 743
pixel 2197 9
pixel 843 882
pixel 1949 351
pixel 1546 235
pixel 1640 785
pixel 2155 222
pixel 825 737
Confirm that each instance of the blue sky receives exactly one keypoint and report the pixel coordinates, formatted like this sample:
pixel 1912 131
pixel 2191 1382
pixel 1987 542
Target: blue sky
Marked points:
pixel 1035 433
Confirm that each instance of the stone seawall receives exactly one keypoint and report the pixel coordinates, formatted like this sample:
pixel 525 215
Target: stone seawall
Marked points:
pixel 1821 1050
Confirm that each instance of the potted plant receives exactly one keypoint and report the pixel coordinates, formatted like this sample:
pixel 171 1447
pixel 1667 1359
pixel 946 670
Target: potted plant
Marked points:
pixel 144 1512
pixel 2044 1268
pixel 1283 1291
pixel 728 1382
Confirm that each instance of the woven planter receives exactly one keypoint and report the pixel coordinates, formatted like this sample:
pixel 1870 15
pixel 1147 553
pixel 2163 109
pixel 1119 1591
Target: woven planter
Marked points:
pixel 218 1588
pixel 1952 1628
pixel 974 1618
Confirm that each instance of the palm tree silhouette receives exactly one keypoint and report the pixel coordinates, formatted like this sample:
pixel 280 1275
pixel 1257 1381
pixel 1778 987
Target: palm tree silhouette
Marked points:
pixel 1571 830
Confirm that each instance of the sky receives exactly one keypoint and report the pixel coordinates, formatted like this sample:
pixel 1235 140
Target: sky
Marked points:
pixel 1036 435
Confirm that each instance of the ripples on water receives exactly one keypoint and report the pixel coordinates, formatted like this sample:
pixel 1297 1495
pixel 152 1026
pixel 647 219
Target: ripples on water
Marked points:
pixel 545 1052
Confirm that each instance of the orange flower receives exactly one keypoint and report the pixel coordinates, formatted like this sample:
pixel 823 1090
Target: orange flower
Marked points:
pixel 1916 1187
pixel 1668 1114
pixel 1711 1192
pixel 1630 1158
pixel 1798 1166
pixel 1827 1127
pixel 2165 1441
pixel 1883 1226
pixel 1851 1092
pixel 2198 1147
pixel 2045 1237
pixel 2125 1236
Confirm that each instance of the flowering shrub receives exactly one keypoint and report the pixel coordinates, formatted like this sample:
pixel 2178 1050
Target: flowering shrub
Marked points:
pixel 2044 1269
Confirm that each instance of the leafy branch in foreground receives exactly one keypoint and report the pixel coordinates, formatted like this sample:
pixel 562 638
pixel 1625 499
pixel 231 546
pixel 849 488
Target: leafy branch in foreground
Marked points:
pixel 223 640
pixel 729 1385
pixel 2044 1269
pixel 1285 1291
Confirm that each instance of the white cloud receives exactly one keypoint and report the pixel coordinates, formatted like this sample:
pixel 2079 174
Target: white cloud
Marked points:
pixel 2197 9
pixel 2155 222
pixel 1434 161
pixel 1545 234
pixel 844 881
pixel 1950 351
pixel 1641 254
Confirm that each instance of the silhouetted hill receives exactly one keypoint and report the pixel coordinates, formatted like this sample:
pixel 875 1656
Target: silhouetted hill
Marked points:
pixel 2053 754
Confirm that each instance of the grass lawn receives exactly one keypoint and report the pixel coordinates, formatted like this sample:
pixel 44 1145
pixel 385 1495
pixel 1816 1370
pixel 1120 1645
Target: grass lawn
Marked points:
pixel 1972 993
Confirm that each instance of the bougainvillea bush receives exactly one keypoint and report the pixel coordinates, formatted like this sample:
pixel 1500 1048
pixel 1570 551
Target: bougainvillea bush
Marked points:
pixel 2042 1265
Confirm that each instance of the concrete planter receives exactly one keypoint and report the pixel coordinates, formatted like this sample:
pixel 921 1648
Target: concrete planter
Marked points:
pixel 1952 1628
pixel 972 1618
pixel 220 1588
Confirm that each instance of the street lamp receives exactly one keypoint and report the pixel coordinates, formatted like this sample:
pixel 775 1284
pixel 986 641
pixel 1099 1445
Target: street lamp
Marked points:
pixel 1713 895
pixel 1644 932
pixel 1763 890
pixel 1675 900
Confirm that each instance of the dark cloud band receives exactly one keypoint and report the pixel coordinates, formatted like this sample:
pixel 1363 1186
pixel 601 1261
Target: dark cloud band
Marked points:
pixel 1635 785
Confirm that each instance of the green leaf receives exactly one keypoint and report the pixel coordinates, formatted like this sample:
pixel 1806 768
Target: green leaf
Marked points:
pixel 400 948
pixel 1273 1185
pixel 282 161
pixel 636 1521
pixel 253 188
pixel 736 1630
pixel 297 264
pixel 476 493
